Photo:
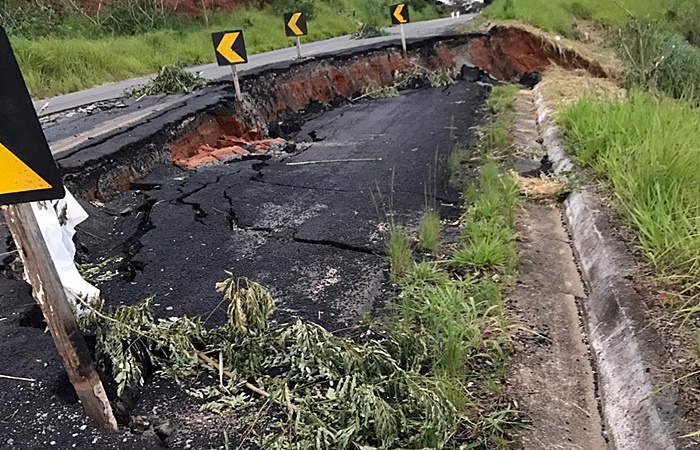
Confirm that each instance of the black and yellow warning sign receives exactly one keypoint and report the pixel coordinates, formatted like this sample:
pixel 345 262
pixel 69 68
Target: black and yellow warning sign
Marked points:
pixel 295 24
pixel 229 47
pixel 28 172
pixel 399 14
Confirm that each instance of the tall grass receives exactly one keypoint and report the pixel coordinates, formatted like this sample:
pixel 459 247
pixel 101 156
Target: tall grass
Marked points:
pixel 647 148
pixel 487 242
pixel 661 61
pixel 429 231
pixel 492 136
pixel 58 65
pixel 453 314
pixel 461 318
pixel 501 102
pixel 398 249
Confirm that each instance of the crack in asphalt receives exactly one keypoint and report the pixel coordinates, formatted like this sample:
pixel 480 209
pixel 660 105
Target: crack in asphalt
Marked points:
pixel 234 222
pixel 132 246
pixel 199 212
pixel 102 138
pixel 340 245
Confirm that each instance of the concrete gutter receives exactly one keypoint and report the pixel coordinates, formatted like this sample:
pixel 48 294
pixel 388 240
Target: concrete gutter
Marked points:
pixel 627 352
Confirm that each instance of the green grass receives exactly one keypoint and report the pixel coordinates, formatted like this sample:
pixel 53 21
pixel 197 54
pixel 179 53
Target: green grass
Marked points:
pixel 501 102
pixel 661 61
pixel 82 57
pixel 502 99
pixel 559 15
pixel 659 39
pixel 56 65
pixel 458 315
pixel 647 149
pixel 458 320
pixel 399 252
pixel 429 231
pixel 487 242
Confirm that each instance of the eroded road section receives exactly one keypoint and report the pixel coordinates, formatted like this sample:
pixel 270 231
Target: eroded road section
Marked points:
pixel 309 232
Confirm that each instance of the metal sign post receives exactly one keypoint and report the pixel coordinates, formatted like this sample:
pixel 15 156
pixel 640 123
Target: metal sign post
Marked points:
pixel 298 47
pixel 30 174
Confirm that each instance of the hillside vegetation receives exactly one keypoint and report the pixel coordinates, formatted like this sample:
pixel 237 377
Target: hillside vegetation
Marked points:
pixel 680 17
pixel 63 46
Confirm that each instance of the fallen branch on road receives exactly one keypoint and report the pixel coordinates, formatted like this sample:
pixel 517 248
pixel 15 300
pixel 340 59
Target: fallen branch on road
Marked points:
pixel 207 360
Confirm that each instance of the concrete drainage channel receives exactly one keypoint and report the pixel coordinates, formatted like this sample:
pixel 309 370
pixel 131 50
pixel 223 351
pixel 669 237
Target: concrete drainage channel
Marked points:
pixel 627 351
pixel 249 191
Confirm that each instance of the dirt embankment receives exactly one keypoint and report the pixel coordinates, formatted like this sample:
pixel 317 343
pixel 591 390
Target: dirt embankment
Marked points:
pixel 506 52
pixel 276 98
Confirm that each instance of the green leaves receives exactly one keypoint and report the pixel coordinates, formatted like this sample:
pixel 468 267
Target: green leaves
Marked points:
pixel 171 79
pixel 250 304
pixel 384 388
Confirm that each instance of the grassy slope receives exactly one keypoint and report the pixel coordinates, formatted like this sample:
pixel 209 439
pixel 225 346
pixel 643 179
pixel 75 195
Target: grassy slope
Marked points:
pixel 59 65
pixel 557 15
pixel 648 149
pixel 644 146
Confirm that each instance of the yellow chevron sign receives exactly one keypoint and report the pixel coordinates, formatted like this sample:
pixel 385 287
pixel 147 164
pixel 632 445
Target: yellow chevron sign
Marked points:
pixel 295 24
pixel 230 48
pixel 28 172
pixel 17 176
pixel 399 14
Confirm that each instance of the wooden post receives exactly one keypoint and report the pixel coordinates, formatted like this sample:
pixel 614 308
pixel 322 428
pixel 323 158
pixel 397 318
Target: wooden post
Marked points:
pixel 236 84
pixel 298 47
pixel 49 294
pixel 403 40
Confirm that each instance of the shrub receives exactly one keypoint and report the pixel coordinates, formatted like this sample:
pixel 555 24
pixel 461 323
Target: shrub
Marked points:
pixel 131 17
pixel 28 19
pixel 661 61
pixel 308 7
pixel 684 16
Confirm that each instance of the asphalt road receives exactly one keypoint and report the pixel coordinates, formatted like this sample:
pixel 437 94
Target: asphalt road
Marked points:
pixel 310 233
pixel 214 72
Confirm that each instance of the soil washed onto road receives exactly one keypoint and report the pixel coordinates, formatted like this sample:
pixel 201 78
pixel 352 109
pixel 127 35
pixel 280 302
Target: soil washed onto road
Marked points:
pixel 311 233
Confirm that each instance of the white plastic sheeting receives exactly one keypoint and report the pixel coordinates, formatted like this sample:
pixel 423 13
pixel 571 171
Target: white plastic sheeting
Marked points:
pixel 58 234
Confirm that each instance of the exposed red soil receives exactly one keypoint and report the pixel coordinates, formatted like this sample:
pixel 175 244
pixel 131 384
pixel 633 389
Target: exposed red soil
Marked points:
pixel 225 137
pixel 218 140
pixel 505 52
pixel 296 89
pixel 508 52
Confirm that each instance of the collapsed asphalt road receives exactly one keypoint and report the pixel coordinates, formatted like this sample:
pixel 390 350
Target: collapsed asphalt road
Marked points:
pixel 310 233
